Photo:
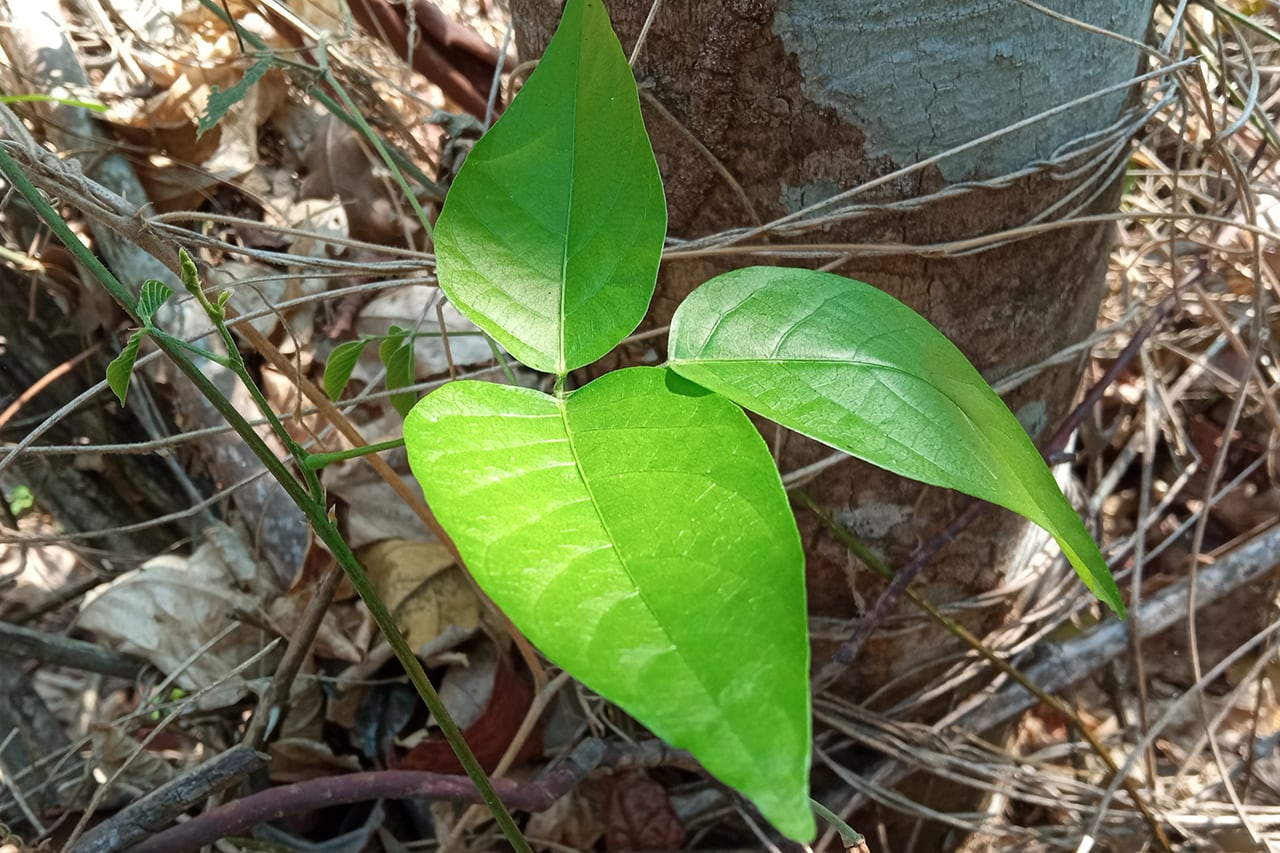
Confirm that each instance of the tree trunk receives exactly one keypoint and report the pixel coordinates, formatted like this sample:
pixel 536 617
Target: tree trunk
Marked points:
pixel 761 108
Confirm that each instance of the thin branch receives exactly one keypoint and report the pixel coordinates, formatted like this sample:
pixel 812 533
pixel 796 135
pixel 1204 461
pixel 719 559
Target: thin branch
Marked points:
pixel 56 649
pixel 156 810
pixel 238 817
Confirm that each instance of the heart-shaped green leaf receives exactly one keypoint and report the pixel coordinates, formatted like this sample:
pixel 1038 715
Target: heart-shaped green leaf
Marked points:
pixel 850 366
pixel 552 231
pixel 637 532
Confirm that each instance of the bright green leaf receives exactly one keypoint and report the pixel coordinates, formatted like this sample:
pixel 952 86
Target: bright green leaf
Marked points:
pixel 393 341
pixel 152 295
pixel 219 102
pixel 21 499
pixel 400 375
pixel 337 370
pixel 121 367
pixel 551 234
pixel 637 532
pixel 849 365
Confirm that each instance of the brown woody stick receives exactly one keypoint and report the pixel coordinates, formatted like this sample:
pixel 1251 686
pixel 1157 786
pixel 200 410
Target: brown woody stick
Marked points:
pixel 238 817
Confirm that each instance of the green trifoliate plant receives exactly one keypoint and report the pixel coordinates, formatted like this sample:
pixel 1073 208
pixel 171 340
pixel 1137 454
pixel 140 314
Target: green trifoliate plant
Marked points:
pixel 636 529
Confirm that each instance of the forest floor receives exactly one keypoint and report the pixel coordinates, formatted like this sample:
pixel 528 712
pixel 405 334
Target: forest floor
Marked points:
pixel 151 579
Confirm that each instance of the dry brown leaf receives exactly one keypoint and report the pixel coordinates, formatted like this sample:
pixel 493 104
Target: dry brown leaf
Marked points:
pixel 201 53
pixel 332 641
pixel 182 165
pixel 300 759
pixel 321 218
pixel 572 822
pixel 488 700
pixel 144 771
pixel 344 633
pixel 639 815
pixel 423 588
pixel 374 511
pixel 468 685
pixel 338 165
pixel 169 610
pixel 242 563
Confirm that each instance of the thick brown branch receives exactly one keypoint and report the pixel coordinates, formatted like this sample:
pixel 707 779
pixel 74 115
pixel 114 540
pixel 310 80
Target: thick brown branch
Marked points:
pixel 131 825
pixel 64 651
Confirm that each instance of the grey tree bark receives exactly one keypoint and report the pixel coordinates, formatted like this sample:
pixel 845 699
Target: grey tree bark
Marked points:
pixel 765 109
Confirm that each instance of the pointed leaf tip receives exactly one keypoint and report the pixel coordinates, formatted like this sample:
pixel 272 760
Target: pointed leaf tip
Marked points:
pixel 120 370
pixel 341 364
pixel 551 234
pixel 636 535
pixel 151 297
pixel 850 366
pixel 220 102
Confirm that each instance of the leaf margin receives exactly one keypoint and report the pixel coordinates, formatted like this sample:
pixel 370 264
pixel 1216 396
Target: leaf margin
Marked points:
pixel 424 453
pixel 1041 501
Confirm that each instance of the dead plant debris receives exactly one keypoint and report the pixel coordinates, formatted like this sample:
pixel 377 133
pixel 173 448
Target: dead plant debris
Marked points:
pixel 1177 465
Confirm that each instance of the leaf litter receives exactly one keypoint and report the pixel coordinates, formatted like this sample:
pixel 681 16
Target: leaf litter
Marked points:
pixel 1177 475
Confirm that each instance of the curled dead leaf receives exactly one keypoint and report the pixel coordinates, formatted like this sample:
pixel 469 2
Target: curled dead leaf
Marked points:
pixel 180 614
pixel 300 759
pixel 115 751
pixel 422 586
pixel 639 815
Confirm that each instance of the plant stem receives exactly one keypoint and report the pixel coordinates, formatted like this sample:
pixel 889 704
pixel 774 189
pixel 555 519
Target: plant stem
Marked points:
pixel 315 461
pixel 376 142
pixel 157 335
pixel 334 108
pixel 312 505
pixel 849 837
pixel 235 362
pixel 118 291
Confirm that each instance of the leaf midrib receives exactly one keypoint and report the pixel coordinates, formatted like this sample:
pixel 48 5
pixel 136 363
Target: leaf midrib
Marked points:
pixel 711 695
pixel 1043 514
pixel 561 355
pixel 1029 498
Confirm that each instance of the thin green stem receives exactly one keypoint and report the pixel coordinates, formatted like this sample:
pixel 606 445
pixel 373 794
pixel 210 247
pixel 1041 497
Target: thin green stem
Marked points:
pixel 849 837
pixel 118 291
pixel 334 108
pixel 311 502
pixel 216 312
pixel 501 357
pixel 367 132
pixel 186 346
pixel 316 461
pixel 413 667
pixel 314 506
pixel 50 99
